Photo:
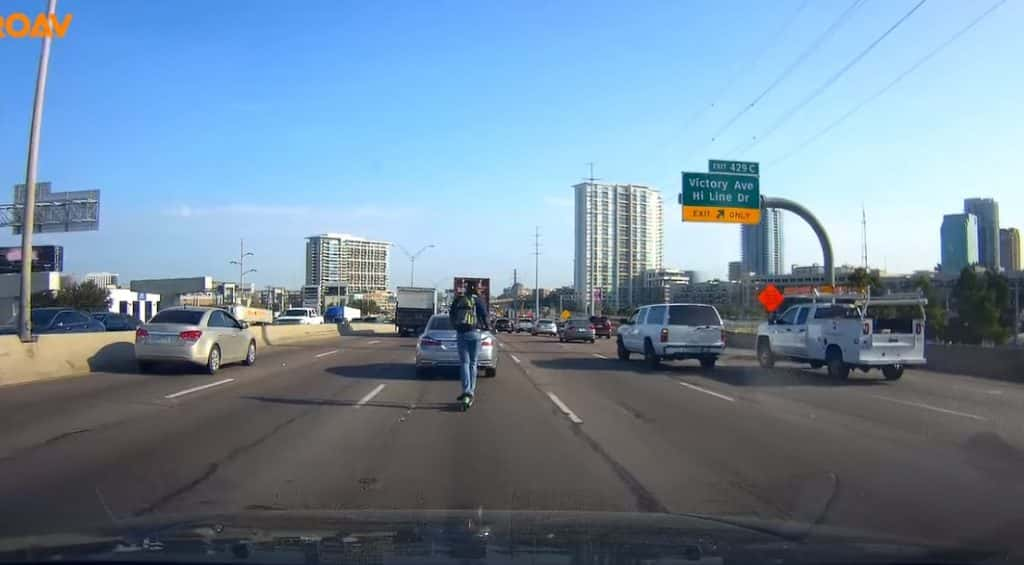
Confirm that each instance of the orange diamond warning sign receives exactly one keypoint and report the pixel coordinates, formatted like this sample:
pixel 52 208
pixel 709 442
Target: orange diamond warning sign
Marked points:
pixel 770 298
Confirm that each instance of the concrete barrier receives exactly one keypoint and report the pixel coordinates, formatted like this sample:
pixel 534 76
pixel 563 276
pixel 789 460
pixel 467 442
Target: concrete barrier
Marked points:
pixel 368 328
pixel 58 356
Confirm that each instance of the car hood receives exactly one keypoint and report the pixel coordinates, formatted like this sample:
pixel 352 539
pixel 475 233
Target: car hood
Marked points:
pixel 438 536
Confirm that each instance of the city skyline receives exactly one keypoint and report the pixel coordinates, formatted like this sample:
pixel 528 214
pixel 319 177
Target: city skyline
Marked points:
pixel 330 132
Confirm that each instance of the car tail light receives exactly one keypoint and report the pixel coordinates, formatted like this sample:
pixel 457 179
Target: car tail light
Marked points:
pixel 190 335
pixel 867 328
pixel 664 335
pixel 141 333
pixel 429 341
pixel 486 342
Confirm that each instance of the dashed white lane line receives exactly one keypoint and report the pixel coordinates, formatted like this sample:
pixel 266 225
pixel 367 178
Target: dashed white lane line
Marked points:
pixel 706 391
pixel 514 358
pixel 930 407
pixel 199 388
pixel 370 396
pixel 326 353
pixel 598 355
pixel 373 342
pixel 565 409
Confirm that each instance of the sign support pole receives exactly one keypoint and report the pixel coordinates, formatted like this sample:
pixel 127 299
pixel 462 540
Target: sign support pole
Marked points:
pixel 28 216
pixel 819 230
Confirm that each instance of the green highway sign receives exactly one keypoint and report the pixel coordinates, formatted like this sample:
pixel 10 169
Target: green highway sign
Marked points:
pixel 720 190
pixel 734 167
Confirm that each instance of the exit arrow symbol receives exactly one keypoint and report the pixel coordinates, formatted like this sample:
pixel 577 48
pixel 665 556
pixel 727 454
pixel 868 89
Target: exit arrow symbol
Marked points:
pixel 721 214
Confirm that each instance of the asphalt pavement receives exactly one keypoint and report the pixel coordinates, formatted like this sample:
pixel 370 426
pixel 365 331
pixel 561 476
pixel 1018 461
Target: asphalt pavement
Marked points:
pixel 345 424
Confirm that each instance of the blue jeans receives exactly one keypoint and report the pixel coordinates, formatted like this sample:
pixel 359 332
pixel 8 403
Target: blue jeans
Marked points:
pixel 469 349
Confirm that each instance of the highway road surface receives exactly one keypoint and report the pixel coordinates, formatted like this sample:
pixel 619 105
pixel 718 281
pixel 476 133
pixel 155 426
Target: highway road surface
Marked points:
pixel 345 424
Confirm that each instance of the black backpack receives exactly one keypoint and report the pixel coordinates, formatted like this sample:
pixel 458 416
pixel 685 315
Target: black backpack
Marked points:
pixel 463 313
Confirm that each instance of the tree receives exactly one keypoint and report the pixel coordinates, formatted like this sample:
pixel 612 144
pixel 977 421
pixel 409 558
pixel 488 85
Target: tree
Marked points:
pixel 863 279
pixel 981 304
pixel 935 311
pixel 84 296
pixel 366 306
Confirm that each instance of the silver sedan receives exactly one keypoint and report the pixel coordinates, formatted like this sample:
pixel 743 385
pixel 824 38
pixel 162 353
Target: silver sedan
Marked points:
pixel 437 348
pixel 577 329
pixel 209 337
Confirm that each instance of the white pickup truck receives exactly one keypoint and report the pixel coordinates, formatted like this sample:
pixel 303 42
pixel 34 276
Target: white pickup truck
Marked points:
pixel 867 333
pixel 299 316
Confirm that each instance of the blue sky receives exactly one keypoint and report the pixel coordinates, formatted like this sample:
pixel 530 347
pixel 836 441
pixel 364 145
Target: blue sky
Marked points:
pixel 464 124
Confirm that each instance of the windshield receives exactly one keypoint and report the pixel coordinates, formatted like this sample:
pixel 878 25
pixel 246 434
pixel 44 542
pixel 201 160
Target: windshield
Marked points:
pixel 191 317
pixel 43 317
pixel 486 259
pixel 440 323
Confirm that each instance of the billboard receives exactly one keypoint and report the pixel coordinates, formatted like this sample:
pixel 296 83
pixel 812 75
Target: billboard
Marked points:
pixel 44 258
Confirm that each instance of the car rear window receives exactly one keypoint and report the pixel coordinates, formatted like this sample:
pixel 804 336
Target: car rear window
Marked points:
pixel 296 312
pixel 440 323
pixel 43 317
pixel 178 317
pixel 692 315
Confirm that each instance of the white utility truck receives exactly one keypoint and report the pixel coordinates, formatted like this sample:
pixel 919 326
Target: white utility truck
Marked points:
pixel 848 332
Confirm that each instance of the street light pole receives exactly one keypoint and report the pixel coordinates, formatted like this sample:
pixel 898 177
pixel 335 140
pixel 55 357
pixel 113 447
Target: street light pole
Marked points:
pixel 28 215
pixel 242 254
pixel 412 260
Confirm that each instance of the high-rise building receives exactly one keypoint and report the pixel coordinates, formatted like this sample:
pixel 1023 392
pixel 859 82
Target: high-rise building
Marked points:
pixel 102 280
pixel 986 210
pixel 334 259
pixel 761 245
pixel 735 270
pixel 959 237
pixel 619 235
pixel 1009 249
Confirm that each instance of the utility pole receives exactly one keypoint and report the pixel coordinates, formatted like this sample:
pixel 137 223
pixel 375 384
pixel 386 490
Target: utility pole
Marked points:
pixel 1016 310
pixel 515 291
pixel 863 237
pixel 412 260
pixel 28 213
pixel 536 272
pixel 242 254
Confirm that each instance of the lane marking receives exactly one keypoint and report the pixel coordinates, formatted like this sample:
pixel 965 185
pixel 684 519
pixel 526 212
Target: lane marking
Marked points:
pixel 930 407
pixel 514 358
pixel 199 388
pixel 326 353
pixel 565 409
pixel 373 342
pixel 598 355
pixel 706 391
pixel 370 396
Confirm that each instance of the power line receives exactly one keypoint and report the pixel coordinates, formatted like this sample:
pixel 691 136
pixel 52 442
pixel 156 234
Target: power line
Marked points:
pixel 736 74
pixel 785 117
pixel 899 78
pixel 818 41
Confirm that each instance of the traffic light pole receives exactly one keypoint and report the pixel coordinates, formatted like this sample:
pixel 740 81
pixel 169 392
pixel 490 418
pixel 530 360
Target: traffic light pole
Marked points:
pixel 819 230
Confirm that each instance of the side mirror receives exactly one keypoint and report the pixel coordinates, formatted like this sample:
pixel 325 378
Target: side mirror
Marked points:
pixel 245 325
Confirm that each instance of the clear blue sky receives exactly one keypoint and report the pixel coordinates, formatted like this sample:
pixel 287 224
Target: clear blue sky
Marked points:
pixel 465 124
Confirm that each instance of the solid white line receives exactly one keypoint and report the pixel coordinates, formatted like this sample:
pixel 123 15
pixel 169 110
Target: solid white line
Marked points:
pixel 930 407
pixel 514 358
pixel 370 396
pixel 198 388
pixel 326 353
pixel 706 391
pixel 598 355
pixel 372 342
pixel 565 409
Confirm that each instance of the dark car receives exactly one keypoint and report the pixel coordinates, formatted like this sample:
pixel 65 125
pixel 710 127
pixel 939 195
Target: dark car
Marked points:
pixel 602 326
pixel 503 325
pixel 116 322
pixel 63 320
